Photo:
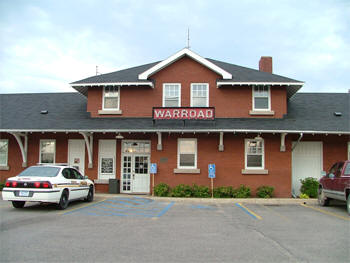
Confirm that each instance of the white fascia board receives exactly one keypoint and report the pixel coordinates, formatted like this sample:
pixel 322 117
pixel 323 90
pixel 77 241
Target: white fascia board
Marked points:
pixel 180 131
pixel 145 83
pixel 221 83
pixel 181 53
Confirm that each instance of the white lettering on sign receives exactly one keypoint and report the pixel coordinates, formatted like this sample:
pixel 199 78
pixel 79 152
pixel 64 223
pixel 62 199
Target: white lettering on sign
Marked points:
pixel 183 113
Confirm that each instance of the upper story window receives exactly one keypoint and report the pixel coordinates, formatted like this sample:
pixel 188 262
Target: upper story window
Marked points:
pixel 47 151
pixel 254 154
pixel 261 98
pixel 199 95
pixel 4 146
pixel 171 95
pixel 110 98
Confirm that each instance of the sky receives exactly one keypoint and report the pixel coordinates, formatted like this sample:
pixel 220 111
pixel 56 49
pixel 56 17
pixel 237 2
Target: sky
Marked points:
pixel 47 44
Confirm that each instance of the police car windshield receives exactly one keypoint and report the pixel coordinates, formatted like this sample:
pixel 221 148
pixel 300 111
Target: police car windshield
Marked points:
pixel 40 171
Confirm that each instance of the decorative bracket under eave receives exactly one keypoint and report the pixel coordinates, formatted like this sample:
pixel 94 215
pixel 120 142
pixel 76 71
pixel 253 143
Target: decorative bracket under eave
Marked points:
pixel 283 142
pixel 88 138
pixel 159 145
pixel 23 146
pixel 221 142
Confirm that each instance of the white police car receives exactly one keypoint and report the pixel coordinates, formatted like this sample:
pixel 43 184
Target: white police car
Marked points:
pixel 57 184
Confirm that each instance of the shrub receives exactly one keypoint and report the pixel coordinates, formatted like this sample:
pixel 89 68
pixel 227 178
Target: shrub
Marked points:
pixel 223 192
pixel 309 186
pixel 200 191
pixel 182 190
pixel 303 196
pixel 264 191
pixel 2 184
pixel 162 189
pixel 242 192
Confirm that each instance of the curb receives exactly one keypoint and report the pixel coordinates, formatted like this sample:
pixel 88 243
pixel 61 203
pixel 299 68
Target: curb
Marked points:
pixel 261 201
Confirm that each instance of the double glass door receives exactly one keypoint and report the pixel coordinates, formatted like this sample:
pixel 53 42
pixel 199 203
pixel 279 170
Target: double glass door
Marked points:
pixel 135 167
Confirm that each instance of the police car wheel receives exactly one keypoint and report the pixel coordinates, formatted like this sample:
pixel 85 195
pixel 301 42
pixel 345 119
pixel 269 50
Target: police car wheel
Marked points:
pixel 18 204
pixel 90 196
pixel 63 201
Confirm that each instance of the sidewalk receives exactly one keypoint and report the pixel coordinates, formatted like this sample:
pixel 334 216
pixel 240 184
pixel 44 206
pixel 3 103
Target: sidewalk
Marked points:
pixel 262 201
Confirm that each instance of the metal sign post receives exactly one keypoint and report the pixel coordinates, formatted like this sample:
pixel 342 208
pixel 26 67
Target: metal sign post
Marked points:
pixel 211 175
pixel 153 170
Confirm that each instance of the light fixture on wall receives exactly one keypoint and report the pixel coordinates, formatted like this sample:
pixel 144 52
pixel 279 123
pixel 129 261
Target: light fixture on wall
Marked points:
pixel 119 136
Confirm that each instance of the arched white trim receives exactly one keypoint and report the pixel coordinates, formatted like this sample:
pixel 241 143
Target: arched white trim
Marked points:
pixel 22 147
pixel 180 54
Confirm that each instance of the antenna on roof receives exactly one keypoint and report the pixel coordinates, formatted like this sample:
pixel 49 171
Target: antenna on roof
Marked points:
pixel 96 70
pixel 188 38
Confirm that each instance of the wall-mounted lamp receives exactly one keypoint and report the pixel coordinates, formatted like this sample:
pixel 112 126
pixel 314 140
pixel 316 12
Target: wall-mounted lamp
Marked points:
pixel 119 136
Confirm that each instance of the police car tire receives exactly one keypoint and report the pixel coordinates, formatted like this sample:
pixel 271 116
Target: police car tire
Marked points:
pixel 90 196
pixel 18 204
pixel 63 201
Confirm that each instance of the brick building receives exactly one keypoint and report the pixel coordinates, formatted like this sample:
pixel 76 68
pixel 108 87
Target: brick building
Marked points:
pixel 182 113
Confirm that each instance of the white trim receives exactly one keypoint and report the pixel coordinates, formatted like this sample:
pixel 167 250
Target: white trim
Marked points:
pixel 179 130
pixel 221 83
pixel 191 99
pixel 163 95
pixel 180 54
pixel 54 154
pixel 7 153
pixel 263 155
pixel 268 110
pixel 144 83
pixel 88 144
pixel 103 101
pixel 101 155
pixel 195 153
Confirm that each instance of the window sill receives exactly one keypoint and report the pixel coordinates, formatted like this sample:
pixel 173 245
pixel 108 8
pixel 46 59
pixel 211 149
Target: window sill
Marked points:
pixel 101 181
pixel 186 171
pixel 4 168
pixel 110 112
pixel 255 171
pixel 263 112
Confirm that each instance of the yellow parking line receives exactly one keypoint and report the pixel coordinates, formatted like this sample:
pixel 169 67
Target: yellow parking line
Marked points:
pixel 276 213
pixel 326 212
pixel 249 211
pixel 70 210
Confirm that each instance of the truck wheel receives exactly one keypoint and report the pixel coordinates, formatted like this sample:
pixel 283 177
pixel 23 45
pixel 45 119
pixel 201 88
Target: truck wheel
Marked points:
pixel 18 204
pixel 348 204
pixel 322 199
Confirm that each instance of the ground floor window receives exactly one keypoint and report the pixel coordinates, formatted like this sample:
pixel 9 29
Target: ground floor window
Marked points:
pixel 187 153
pixel 47 151
pixel 4 146
pixel 254 154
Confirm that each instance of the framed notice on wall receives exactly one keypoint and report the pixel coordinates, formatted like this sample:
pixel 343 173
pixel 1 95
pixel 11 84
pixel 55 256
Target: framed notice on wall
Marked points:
pixel 107 166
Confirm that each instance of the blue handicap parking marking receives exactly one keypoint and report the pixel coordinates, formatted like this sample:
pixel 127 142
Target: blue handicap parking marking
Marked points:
pixel 203 207
pixel 126 206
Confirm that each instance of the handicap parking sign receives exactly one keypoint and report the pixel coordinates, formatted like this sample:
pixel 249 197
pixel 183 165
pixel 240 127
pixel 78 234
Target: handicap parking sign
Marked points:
pixel 211 170
pixel 153 169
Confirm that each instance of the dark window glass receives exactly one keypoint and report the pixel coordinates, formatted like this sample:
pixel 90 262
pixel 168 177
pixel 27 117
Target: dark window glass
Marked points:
pixel 40 171
pixel 347 169
pixel 187 160
pixel 261 103
pixel 254 161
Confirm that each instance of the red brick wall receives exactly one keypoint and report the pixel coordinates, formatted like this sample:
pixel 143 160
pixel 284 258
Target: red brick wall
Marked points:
pixel 228 163
pixel 229 101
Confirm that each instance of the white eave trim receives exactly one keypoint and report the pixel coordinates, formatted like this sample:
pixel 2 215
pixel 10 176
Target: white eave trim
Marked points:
pixel 144 83
pixel 182 131
pixel 180 54
pixel 221 83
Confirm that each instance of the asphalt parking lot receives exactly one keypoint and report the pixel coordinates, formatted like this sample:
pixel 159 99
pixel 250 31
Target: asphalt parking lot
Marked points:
pixel 142 229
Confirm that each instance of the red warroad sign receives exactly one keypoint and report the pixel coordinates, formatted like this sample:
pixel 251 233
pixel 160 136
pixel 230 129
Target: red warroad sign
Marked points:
pixel 185 113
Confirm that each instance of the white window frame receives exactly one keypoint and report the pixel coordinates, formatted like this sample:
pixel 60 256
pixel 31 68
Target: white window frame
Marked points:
pixel 269 98
pixel 195 153
pixel 54 154
pixel 207 101
pixel 7 153
pixel 103 99
pixel 163 99
pixel 102 154
pixel 246 154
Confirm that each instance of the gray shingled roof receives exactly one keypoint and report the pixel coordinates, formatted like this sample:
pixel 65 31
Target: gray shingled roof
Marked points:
pixel 239 74
pixel 307 112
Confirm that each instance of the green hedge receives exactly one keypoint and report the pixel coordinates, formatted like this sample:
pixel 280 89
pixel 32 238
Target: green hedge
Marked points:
pixel 309 186
pixel 265 191
pixel 183 190
pixel 2 184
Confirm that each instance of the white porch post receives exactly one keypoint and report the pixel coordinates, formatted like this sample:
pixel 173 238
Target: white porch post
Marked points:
pixel 23 148
pixel 221 143
pixel 159 145
pixel 88 144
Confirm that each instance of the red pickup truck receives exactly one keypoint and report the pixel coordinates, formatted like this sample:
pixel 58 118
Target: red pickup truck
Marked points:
pixel 335 184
